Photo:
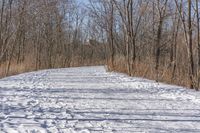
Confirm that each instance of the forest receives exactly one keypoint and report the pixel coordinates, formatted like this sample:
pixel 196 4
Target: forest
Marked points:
pixel 154 39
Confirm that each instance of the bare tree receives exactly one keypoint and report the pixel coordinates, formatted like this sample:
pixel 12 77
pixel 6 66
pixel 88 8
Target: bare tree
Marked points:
pixel 162 14
pixel 190 43
pixel 198 41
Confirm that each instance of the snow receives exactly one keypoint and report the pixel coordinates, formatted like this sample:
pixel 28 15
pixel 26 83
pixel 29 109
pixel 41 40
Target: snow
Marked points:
pixel 91 100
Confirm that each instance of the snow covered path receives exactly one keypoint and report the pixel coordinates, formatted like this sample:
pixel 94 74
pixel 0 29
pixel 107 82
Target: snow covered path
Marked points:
pixel 91 100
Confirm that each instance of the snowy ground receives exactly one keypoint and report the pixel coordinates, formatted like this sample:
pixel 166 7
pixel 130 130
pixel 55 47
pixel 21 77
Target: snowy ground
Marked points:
pixel 91 100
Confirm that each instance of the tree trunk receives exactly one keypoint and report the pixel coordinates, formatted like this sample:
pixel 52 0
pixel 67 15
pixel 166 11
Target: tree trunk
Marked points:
pixel 191 69
pixel 198 43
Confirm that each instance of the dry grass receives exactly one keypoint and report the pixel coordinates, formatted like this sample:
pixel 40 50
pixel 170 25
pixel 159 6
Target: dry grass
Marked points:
pixel 147 70
pixel 28 65
pixel 15 68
